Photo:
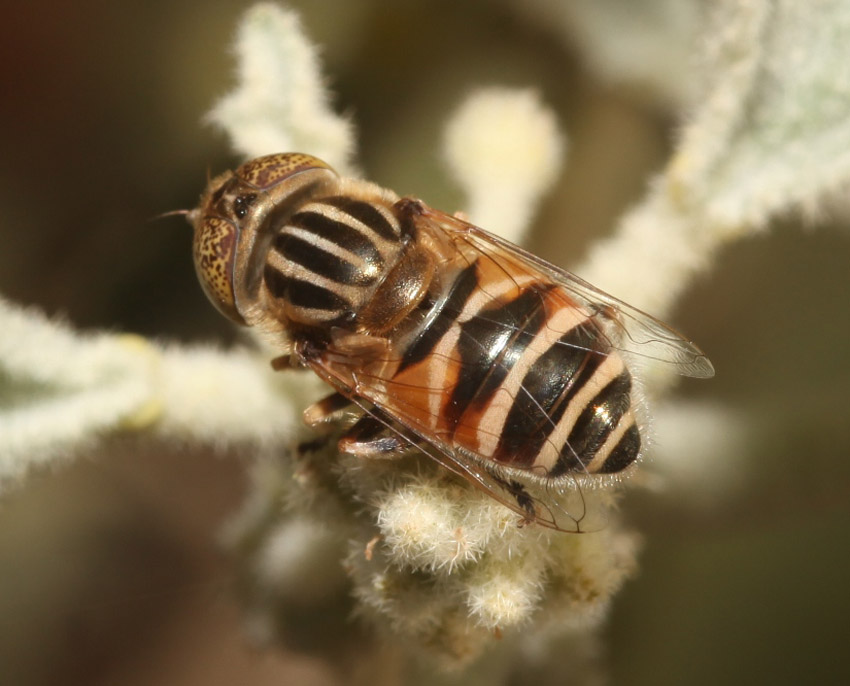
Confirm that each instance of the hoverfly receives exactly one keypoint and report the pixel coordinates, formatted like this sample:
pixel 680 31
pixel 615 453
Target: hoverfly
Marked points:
pixel 505 369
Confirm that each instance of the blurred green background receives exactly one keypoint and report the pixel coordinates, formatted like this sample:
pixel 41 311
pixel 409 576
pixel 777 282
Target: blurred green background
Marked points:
pixel 109 568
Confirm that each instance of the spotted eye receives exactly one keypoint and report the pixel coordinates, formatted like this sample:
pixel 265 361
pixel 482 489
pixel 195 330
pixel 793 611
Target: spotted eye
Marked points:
pixel 214 250
pixel 242 204
pixel 270 170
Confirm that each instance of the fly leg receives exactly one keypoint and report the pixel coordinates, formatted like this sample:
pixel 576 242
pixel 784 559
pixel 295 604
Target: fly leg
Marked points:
pixel 370 438
pixel 330 409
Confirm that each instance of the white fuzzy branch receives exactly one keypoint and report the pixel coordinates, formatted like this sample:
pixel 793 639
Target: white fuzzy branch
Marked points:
pixel 62 391
pixel 642 44
pixel 771 134
pixel 280 103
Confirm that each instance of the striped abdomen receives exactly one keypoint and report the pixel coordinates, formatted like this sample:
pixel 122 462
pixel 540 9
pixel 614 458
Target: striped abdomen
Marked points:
pixel 326 260
pixel 513 370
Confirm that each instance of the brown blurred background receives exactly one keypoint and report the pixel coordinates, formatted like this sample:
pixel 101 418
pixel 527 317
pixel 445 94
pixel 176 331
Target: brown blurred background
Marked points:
pixel 109 568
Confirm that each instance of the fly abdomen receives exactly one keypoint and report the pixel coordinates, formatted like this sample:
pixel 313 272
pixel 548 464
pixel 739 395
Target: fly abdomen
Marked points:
pixel 570 406
pixel 530 380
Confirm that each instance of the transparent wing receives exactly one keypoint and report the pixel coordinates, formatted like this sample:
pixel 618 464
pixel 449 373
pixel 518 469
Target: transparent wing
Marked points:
pixel 558 504
pixel 405 407
pixel 629 329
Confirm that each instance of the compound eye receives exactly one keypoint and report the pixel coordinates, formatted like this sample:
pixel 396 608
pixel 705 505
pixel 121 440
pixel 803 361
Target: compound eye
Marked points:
pixel 214 250
pixel 270 170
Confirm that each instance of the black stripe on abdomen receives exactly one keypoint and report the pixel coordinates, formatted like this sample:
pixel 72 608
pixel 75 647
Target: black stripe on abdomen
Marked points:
pixel 624 453
pixel 545 393
pixel 594 425
pixel 490 343
pixel 441 316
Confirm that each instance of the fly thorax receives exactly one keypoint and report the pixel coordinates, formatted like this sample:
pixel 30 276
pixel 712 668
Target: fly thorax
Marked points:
pixel 328 258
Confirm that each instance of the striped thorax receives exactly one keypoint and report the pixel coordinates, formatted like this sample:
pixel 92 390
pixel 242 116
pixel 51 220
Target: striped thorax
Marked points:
pixel 508 371
pixel 281 239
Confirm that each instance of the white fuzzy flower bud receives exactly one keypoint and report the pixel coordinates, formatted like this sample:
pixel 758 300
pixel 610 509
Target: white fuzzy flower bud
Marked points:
pixel 422 525
pixel 504 149
pixel 504 592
